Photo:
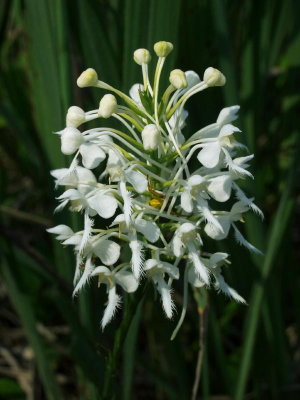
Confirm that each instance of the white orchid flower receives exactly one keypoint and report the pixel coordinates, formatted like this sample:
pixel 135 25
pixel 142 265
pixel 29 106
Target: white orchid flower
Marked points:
pixel 187 239
pixel 196 194
pixel 210 155
pixel 72 140
pixel 156 270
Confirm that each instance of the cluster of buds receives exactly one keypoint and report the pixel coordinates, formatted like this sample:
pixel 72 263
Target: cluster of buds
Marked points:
pixel 138 181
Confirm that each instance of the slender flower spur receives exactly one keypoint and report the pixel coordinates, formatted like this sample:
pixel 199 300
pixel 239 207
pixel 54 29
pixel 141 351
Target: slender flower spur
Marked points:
pixel 138 182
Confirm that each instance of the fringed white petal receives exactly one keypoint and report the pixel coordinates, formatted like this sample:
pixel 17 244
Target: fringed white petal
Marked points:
pixel 88 269
pixel 88 224
pixel 198 264
pixel 167 302
pixel 137 258
pixel 243 242
pixel 222 286
pixel 202 205
pixel 240 195
pixel 114 301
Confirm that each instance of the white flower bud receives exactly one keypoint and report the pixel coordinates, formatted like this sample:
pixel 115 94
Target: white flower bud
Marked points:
pixel 142 56
pixel 75 117
pixel 108 106
pixel 151 137
pixel 87 78
pixel 214 77
pixel 178 79
pixel 71 139
pixel 162 49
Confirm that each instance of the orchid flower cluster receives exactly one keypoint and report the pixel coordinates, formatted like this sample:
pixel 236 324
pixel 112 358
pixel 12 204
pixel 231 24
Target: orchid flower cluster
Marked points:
pixel 137 182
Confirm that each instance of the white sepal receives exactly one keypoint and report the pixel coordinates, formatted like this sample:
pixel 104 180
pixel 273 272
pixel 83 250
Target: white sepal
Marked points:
pixel 92 155
pixel 71 139
pixel 107 250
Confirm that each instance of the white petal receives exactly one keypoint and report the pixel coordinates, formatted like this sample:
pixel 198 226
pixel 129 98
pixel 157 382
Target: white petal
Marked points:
pixel 195 180
pixel 138 180
pixel 104 204
pixel 101 270
pixel 70 194
pixel 63 231
pixel 177 245
pixel 71 139
pixel 149 264
pixel 228 115
pixel 92 155
pixel 170 269
pixel 134 93
pixel 228 130
pixel 220 187
pixel 186 201
pixel 148 228
pixel 127 280
pixel 74 240
pixel 114 301
pixel 214 232
pixel 192 78
pixel 107 250
pixel 127 208
pixel 194 278
pixel 216 258
pixel 209 155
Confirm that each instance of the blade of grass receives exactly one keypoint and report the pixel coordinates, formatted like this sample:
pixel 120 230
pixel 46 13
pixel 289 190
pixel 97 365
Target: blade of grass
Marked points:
pixel 29 322
pixel 129 353
pixel 279 226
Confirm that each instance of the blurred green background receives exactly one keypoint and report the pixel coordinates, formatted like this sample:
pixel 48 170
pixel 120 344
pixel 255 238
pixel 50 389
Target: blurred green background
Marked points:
pixel 51 346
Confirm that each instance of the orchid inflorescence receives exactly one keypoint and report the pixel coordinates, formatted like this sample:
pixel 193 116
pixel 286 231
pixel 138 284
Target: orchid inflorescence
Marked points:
pixel 139 181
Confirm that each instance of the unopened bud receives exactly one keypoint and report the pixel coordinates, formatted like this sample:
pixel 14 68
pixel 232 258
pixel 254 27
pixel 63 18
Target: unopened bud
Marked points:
pixel 108 106
pixel 150 137
pixel 87 78
pixel 75 116
pixel 71 139
pixel 178 79
pixel 162 49
pixel 214 77
pixel 142 56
